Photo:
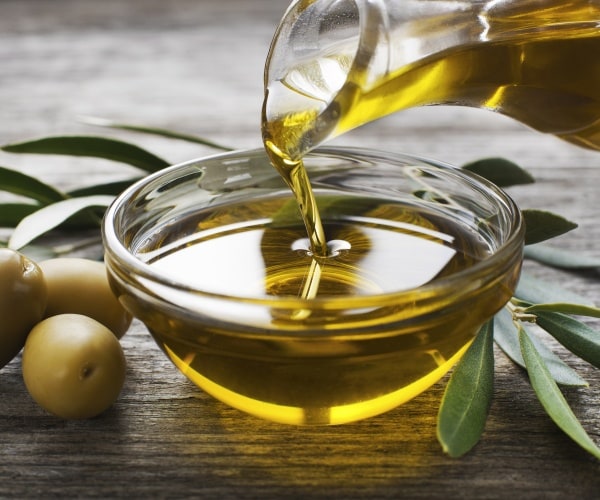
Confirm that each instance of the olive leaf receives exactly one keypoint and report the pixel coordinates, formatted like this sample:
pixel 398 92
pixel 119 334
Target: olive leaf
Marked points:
pixel 111 188
pixel 541 225
pixel 500 171
pixel 536 291
pixel 102 122
pixel 551 398
pixel 506 337
pixel 38 253
pixel 557 257
pixel 577 337
pixel 22 184
pixel 90 146
pixel 12 213
pixel 468 396
pixel 565 308
pixel 51 216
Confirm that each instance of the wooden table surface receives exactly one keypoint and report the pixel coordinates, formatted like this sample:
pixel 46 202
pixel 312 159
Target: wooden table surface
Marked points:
pixel 196 66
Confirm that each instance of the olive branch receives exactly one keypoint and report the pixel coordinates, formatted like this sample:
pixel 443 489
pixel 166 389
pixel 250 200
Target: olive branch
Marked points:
pixel 42 208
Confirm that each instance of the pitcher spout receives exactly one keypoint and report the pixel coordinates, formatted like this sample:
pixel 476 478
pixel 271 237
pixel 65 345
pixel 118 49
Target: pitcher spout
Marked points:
pixel 337 64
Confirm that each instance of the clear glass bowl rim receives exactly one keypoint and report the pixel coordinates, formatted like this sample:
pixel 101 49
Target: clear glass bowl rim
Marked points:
pixel 117 253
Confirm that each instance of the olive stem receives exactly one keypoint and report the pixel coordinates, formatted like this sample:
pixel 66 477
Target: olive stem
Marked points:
pixel 519 314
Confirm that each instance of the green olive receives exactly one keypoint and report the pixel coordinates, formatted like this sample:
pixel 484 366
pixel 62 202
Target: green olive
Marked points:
pixel 22 301
pixel 80 286
pixel 73 366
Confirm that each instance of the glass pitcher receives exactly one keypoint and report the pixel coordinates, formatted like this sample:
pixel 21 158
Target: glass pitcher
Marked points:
pixel 337 64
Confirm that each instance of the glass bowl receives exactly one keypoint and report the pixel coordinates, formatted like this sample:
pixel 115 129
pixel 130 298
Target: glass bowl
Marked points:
pixel 211 255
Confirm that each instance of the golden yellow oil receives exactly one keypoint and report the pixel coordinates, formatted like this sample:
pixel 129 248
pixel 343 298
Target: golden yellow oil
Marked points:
pixel 547 79
pixel 315 364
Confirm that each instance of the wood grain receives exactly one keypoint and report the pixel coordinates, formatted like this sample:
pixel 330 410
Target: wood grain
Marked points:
pixel 197 66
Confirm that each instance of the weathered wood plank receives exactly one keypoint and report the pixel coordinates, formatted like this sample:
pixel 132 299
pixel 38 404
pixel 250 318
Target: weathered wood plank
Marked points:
pixel 197 66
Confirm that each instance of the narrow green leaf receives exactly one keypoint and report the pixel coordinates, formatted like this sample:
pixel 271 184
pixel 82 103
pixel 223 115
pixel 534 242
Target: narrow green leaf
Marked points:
pixel 563 259
pixel 171 134
pixel 536 291
pixel 468 396
pixel 16 182
pixel 541 225
pixel 551 398
pixel 576 336
pixel 565 308
pixel 97 147
pixel 112 188
pixel 507 337
pixel 51 216
pixel 38 253
pixel 12 213
pixel 500 171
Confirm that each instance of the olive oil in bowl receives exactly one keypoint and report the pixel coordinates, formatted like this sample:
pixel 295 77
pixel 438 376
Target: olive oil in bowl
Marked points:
pixel 214 257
